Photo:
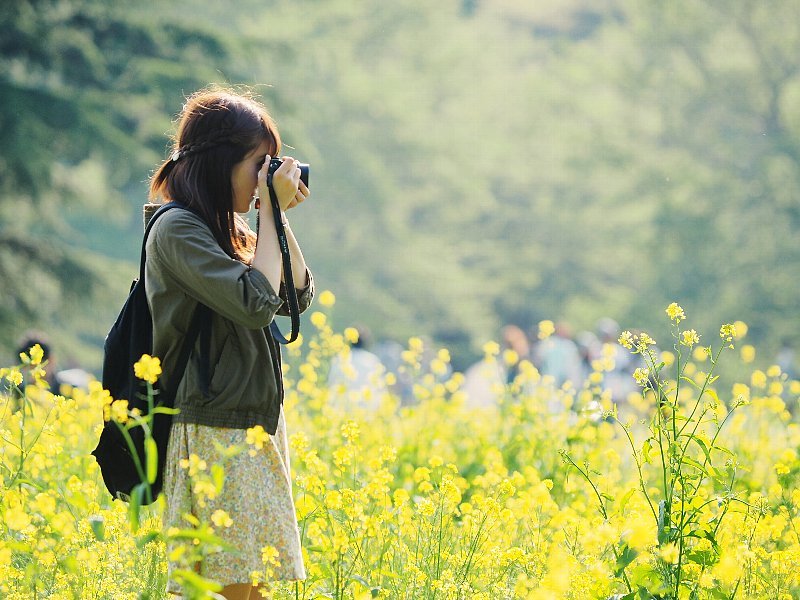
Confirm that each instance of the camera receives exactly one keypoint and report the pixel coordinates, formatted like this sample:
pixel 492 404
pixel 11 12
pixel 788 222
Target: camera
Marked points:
pixel 274 163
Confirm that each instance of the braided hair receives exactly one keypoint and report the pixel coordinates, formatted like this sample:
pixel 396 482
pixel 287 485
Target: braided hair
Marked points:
pixel 217 128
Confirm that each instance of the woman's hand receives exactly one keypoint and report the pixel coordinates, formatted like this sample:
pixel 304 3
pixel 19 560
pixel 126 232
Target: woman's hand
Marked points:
pixel 286 183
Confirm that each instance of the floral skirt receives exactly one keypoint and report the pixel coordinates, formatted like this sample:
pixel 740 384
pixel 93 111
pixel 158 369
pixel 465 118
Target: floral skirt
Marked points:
pixel 257 497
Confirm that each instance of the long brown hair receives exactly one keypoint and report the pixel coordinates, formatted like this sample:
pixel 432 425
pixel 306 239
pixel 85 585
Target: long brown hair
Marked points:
pixel 217 128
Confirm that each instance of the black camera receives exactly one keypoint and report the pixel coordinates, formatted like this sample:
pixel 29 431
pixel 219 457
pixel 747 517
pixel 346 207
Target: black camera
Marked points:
pixel 274 163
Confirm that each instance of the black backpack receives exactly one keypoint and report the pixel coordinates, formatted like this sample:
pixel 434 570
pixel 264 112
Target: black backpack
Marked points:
pixel 138 475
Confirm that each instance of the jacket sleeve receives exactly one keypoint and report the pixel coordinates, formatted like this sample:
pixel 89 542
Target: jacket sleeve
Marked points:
pixel 304 296
pixel 184 247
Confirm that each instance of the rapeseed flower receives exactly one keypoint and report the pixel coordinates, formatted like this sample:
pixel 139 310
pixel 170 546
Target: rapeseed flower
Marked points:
pixel 689 338
pixel 147 368
pixel 546 329
pixel 327 298
pixel 675 313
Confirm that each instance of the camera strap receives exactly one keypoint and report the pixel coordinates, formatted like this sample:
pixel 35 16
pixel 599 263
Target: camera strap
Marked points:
pixel 288 277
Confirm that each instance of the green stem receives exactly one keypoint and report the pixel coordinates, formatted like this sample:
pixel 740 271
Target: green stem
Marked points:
pixel 639 468
pixel 602 512
pixel 703 389
pixel 680 542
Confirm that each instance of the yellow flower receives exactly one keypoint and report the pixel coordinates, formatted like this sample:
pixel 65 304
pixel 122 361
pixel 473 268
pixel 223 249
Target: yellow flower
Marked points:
pixel 491 349
pixel 36 354
pixel 748 353
pixel 741 329
pixel 351 335
pixel 256 437
pixel 194 463
pixel 16 518
pixel 641 376
pixel 400 497
pixel 333 500
pixel 727 332
pixel 758 379
pixel 119 411
pixel 510 357
pixel 15 377
pixel 645 341
pixel 546 329
pixel 147 368
pixel 221 519
pixel 627 339
pixel 422 474
pixel 670 554
pixel 728 570
pixel 781 469
pixel 640 531
pixel 350 431
pixel 438 367
pixel 327 299
pixel 740 390
pixel 675 313
pixel 318 319
pixel 269 556
pixel 774 371
pixel 689 338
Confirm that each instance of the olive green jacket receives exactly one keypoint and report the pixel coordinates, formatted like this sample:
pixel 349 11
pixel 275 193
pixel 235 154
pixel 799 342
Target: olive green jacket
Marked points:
pixel 185 265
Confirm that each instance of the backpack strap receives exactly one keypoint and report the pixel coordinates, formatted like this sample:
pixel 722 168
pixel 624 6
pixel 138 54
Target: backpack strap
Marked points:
pixel 200 323
pixel 150 224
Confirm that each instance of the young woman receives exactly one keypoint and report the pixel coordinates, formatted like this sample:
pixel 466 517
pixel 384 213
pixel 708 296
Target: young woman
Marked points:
pixel 209 255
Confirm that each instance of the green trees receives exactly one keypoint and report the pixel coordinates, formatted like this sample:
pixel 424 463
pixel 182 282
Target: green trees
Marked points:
pixel 472 163
pixel 87 89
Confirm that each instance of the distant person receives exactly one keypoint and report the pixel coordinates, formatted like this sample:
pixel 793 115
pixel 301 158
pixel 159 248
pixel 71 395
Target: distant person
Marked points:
pixel 28 341
pixel 558 357
pixel 514 339
pixel 619 381
pixel 588 348
pixel 486 379
pixel 786 358
pixel 55 378
pixel 357 379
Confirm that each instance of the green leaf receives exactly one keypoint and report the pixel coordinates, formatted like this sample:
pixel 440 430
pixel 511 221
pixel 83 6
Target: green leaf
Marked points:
pixel 135 505
pixel 97 523
pixel 646 447
pixel 146 539
pixel 196 581
pixel 202 535
pixel 693 463
pixel 626 557
pixel 218 476
pixel 691 382
pixel 624 500
pixel 151 456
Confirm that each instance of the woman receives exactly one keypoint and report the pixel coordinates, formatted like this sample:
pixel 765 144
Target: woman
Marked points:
pixel 208 254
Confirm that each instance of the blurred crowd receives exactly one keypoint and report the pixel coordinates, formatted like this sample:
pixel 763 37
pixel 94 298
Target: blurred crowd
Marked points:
pixel 561 358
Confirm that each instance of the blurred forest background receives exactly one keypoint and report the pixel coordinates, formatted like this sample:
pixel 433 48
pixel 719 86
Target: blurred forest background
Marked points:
pixel 474 162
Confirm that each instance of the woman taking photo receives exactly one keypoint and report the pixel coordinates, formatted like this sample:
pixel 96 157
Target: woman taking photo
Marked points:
pixel 207 254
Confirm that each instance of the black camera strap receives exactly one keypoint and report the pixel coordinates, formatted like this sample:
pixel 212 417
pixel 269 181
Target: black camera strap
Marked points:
pixel 288 277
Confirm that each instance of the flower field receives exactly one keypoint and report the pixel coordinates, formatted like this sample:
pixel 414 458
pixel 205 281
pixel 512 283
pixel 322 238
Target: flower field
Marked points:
pixel 688 490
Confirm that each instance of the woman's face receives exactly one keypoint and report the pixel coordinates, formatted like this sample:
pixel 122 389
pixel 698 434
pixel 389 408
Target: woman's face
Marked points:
pixel 244 178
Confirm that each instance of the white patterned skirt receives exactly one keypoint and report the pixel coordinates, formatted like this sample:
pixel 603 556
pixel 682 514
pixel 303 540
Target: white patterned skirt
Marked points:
pixel 257 496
